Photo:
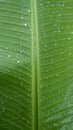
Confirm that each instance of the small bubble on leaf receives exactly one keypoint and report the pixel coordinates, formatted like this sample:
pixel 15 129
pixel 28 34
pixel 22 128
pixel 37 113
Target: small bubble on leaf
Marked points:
pixel 29 10
pixel 25 24
pixel 55 44
pixel 59 30
pixel 22 18
pixel 9 56
pixel 18 61
pixel 71 32
pixel 70 53
pixel 69 38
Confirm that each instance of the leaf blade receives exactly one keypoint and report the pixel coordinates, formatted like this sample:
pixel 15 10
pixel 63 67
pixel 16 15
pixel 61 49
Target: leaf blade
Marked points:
pixel 55 41
pixel 15 65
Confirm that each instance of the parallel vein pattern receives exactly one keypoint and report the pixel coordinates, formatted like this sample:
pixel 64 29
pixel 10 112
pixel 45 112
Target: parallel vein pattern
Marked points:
pixel 15 65
pixel 55 19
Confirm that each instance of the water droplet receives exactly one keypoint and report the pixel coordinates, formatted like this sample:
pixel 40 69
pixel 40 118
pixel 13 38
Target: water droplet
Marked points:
pixel 54 25
pixel 63 5
pixel 9 56
pixel 69 38
pixel 70 53
pixel 6 48
pixel 3 109
pixel 71 32
pixel 59 15
pixel 55 44
pixel 22 17
pixel 57 74
pixel 48 2
pixel 23 118
pixel 71 47
pixel 8 71
pixel 18 61
pixel 52 5
pixel 42 7
pixel 59 30
pixel 25 24
pixel 19 95
pixel 28 95
pixel 29 10
pixel 45 45
pixel 51 59
pixel 2 102
pixel 46 77
pixel 13 59
pixel 28 121
pixel 21 45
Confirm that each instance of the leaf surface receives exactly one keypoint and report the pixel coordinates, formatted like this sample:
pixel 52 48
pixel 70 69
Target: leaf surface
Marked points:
pixel 36 64
pixel 55 24
pixel 15 65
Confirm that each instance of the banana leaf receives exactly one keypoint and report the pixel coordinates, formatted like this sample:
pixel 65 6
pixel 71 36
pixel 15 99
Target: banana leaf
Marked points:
pixel 36 64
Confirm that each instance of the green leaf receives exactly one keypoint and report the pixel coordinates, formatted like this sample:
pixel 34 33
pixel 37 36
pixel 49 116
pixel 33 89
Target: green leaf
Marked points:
pixel 55 18
pixel 15 65
pixel 36 65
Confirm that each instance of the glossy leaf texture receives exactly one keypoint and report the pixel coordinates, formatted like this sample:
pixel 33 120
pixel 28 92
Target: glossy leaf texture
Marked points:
pixel 36 64
pixel 55 23
pixel 15 65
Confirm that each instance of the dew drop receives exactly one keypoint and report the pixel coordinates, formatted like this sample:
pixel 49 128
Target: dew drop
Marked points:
pixel 23 118
pixel 13 59
pixel 69 38
pixel 59 31
pixel 42 7
pixel 52 5
pixel 71 47
pixel 63 5
pixel 51 59
pixel 22 18
pixel 59 15
pixel 57 74
pixel 71 32
pixel 28 121
pixel 18 61
pixel 19 95
pixel 6 48
pixel 55 44
pixel 45 45
pixel 52 69
pixel 48 2
pixel 8 71
pixel 25 24
pixel 54 25
pixel 21 45
pixel 29 10
pixel 9 56
pixel 3 109
pixel 46 77
pixel 2 102
pixel 11 98
pixel 70 53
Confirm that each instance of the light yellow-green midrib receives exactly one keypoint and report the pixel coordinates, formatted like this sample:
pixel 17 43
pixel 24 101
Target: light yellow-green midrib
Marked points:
pixel 35 66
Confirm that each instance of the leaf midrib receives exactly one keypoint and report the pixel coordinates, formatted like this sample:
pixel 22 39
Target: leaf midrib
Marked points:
pixel 35 66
